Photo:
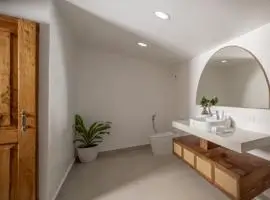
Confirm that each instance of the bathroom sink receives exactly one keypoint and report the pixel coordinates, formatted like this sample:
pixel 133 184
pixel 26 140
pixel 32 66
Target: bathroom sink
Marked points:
pixel 240 141
pixel 206 123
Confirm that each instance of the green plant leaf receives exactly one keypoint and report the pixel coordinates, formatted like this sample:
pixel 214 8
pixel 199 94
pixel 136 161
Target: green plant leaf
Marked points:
pixel 100 131
pixel 93 127
pixel 103 128
pixel 91 137
pixel 84 138
pixel 98 126
pixel 79 124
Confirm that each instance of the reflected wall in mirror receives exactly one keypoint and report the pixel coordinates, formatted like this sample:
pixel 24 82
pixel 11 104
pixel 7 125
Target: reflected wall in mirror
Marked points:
pixel 236 77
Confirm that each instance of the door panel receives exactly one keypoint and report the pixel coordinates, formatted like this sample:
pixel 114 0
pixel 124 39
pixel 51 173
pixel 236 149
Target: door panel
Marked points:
pixel 14 80
pixel 8 87
pixel 5 51
pixel 27 38
pixel 27 70
pixel 5 171
pixel 18 102
pixel 8 136
pixel 14 176
pixel 8 80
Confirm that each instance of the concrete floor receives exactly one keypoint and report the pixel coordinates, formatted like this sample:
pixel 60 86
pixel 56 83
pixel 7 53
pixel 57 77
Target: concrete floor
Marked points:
pixel 136 175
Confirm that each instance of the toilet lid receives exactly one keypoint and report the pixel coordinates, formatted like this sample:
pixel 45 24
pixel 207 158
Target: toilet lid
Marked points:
pixel 162 134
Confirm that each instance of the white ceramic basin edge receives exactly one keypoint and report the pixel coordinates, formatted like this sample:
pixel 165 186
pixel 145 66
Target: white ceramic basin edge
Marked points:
pixel 205 123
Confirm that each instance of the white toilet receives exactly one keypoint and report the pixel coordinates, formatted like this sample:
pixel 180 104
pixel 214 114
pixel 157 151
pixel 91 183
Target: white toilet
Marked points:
pixel 161 143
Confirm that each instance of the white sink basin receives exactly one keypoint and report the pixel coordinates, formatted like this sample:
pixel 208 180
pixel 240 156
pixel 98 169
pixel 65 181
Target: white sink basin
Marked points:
pixel 205 123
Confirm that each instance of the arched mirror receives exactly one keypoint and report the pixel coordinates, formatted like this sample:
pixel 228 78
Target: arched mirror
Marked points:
pixel 236 77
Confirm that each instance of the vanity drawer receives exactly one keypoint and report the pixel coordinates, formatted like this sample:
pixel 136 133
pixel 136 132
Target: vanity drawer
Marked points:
pixel 226 182
pixel 204 167
pixel 239 175
pixel 189 157
pixel 177 149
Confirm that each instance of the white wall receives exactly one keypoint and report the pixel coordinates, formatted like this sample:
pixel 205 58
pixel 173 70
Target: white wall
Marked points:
pixel 125 91
pixel 183 92
pixel 29 9
pixel 61 101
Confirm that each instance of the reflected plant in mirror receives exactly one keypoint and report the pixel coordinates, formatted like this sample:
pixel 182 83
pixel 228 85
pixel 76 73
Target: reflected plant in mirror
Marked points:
pixel 236 77
pixel 206 104
pixel 211 103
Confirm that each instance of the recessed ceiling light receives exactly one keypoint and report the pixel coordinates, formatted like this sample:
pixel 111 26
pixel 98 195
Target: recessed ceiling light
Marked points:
pixel 142 44
pixel 224 61
pixel 162 15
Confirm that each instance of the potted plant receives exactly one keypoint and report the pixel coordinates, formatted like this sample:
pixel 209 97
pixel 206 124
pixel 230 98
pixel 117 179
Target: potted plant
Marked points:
pixel 211 103
pixel 88 139
pixel 204 104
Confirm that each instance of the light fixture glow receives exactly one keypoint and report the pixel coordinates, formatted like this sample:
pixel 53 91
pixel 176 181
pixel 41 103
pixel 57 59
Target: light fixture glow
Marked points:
pixel 142 44
pixel 224 61
pixel 162 15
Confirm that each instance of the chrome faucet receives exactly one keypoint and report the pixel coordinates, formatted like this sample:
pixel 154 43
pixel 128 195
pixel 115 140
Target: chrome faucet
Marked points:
pixel 217 115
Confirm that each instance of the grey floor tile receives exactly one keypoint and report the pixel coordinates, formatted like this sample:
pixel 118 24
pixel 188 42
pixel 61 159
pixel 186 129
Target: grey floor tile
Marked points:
pixel 137 175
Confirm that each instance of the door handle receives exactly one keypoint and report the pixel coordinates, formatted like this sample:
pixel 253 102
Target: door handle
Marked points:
pixel 24 121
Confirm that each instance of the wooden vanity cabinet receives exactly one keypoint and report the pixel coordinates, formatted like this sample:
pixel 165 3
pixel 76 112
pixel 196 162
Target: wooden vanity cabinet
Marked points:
pixel 189 157
pixel 204 167
pixel 177 148
pixel 239 176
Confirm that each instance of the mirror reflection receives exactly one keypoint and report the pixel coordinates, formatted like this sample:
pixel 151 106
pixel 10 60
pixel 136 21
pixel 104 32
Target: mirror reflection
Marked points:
pixel 236 77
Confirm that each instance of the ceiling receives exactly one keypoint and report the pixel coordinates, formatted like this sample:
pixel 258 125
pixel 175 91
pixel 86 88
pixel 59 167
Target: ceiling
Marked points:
pixel 25 1
pixel 103 35
pixel 195 25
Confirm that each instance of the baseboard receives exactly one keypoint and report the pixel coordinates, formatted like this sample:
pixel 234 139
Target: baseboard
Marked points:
pixel 63 180
pixel 134 148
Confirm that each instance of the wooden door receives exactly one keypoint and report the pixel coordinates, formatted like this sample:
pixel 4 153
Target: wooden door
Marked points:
pixel 18 102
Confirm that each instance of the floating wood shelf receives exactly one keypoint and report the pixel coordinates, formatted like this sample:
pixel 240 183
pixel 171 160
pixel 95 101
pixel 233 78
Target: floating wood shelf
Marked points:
pixel 241 176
